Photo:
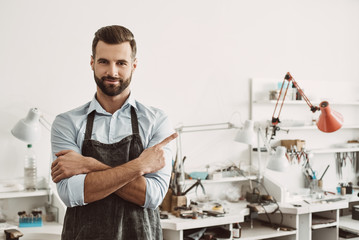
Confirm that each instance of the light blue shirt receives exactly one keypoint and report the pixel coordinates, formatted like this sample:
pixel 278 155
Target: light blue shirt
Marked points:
pixel 68 132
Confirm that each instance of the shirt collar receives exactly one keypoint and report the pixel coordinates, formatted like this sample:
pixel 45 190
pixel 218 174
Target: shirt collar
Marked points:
pixel 95 105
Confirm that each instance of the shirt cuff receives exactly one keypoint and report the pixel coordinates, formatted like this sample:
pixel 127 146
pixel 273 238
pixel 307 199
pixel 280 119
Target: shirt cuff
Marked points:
pixel 71 190
pixel 154 192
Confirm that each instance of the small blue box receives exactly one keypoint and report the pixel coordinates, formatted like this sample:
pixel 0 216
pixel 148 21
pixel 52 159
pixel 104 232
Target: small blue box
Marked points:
pixel 30 222
pixel 198 175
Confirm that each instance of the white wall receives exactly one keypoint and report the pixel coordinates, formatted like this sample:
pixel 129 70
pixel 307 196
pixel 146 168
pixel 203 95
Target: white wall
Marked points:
pixel 195 58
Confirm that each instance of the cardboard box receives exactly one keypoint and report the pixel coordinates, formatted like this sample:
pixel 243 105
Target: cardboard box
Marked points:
pixel 296 142
pixel 166 203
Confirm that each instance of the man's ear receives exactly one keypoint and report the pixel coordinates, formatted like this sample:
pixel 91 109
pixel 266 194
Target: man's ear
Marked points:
pixel 92 62
pixel 134 64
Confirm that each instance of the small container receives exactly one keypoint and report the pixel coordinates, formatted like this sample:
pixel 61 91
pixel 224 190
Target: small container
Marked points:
pixel 237 231
pixel 343 190
pixel 320 184
pixel 313 185
pixel 51 213
pixel 339 189
pixel 273 95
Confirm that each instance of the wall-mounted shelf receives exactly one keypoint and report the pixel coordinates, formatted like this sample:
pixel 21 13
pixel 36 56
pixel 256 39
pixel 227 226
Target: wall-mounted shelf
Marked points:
pixel 314 127
pixel 298 102
pixel 223 180
pixel 333 150
pixel 21 194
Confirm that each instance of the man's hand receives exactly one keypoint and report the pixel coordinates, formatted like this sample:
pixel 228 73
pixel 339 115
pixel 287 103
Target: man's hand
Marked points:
pixel 70 163
pixel 153 159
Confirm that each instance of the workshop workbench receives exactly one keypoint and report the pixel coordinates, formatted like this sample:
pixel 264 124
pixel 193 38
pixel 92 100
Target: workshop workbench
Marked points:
pixel 174 227
pixel 303 219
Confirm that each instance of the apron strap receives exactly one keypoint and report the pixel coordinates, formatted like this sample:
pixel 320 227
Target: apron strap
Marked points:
pixel 134 121
pixel 91 117
pixel 89 124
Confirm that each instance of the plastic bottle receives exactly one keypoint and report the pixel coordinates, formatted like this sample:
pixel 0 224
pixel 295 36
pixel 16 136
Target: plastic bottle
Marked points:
pixel 30 169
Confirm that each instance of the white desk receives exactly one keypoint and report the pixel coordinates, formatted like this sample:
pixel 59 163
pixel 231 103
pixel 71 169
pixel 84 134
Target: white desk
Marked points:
pixel 300 218
pixel 173 227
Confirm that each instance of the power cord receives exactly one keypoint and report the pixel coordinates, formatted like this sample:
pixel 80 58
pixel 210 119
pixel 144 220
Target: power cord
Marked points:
pixel 261 202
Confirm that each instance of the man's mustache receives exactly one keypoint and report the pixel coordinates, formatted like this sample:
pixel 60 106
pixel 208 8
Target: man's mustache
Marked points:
pixel 111 78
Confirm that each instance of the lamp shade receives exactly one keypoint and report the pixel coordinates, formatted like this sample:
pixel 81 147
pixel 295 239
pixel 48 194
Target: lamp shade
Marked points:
pixel 278 161
pixel 329 120
pixel 247 134
pixel 28 129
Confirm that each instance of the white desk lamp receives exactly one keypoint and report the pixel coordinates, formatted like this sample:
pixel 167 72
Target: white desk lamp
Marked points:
pixel 29 129
pixel 278 161
pixel 247 136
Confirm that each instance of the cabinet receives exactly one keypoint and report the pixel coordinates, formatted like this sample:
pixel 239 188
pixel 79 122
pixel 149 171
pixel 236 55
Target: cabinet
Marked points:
pixel 345 221
pixel 312 221
pixel 264 232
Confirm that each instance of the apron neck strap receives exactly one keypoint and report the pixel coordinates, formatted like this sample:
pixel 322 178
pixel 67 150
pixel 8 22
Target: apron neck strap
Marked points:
pixel 134 121
pixel 91 117
pixel 89 124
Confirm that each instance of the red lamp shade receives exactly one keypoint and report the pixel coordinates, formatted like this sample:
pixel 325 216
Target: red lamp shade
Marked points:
pixel 329 120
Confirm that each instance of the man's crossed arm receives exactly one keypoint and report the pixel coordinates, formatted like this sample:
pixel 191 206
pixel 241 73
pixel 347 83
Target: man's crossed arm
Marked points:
pixel 126 180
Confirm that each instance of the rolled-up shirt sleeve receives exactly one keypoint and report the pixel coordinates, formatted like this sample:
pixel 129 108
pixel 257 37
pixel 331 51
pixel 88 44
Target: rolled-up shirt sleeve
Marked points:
pixel 63 136
pixel 157 183
pixel 71 190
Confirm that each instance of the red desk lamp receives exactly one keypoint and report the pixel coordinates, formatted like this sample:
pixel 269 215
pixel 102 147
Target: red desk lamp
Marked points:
pixel 328 121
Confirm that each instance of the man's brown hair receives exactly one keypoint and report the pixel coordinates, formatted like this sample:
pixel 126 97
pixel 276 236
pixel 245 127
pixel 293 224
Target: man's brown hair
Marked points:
pixel 114 34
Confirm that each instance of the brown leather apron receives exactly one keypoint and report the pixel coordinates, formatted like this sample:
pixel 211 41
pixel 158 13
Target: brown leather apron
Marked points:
pixel 112 217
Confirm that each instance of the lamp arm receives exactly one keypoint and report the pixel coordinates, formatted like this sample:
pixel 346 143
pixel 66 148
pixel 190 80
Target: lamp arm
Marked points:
pixel 312 108
pixel 44 122
pixel 206 127
pixel 193 128
pixel 275 120
pixel 265 142
pixel 288 77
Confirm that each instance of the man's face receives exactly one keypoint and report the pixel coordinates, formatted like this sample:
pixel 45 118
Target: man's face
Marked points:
pixel 113 67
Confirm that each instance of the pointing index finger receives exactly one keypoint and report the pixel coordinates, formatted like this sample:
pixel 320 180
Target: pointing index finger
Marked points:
pixel 167 140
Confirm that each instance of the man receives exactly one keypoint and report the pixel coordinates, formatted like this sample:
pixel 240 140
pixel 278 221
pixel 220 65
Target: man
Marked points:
pixel 112 160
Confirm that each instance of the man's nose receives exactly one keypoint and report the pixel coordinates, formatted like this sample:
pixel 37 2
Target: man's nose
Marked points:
pixel 113 70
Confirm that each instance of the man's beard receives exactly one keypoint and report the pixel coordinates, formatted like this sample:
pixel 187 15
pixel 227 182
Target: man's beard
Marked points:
pixel 112 90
